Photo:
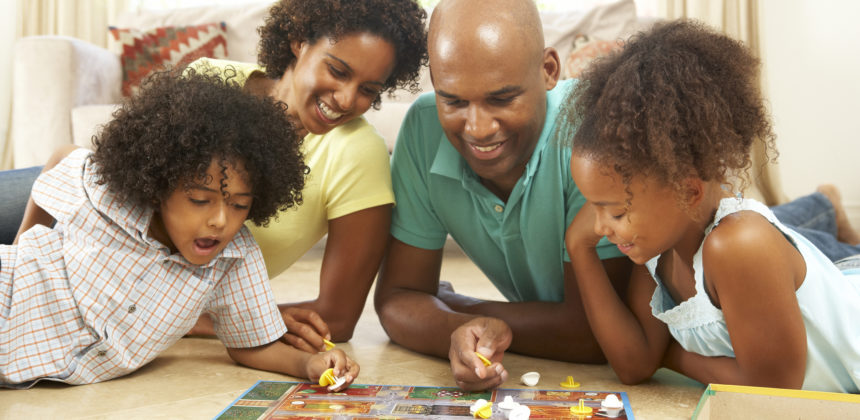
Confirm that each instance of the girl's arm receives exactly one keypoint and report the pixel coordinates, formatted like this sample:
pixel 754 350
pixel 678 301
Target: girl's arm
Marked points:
pixel 753 272
pixel 354 249
pixel 33 214
pixel 280 357
pixel 633 341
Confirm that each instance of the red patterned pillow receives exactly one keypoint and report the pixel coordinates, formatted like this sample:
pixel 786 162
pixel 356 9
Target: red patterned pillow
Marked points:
pixel 584 50
pixel 142 52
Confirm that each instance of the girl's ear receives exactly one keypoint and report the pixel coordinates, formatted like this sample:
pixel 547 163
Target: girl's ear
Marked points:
pixel 693 191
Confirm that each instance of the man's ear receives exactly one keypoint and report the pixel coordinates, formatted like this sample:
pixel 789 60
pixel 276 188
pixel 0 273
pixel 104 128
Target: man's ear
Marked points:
pixel 551 67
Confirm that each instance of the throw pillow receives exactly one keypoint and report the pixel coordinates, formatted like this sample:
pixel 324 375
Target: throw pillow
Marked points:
pixel 585 49
pixel 142 52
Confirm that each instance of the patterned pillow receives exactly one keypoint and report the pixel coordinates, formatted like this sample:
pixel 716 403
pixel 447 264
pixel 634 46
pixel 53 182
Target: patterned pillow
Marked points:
pixel 142 52
pixel 586 49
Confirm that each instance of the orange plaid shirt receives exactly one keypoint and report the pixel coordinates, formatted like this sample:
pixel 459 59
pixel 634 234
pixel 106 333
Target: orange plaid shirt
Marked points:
pixel 95 297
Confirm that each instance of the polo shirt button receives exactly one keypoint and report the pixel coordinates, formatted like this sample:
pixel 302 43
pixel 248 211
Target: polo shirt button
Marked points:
pixel 132 308
pixel 101 353
pixel 498 208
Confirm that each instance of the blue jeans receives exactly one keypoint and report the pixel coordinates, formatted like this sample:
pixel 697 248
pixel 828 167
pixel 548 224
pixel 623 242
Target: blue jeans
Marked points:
pixel 813 217
pixel 15 186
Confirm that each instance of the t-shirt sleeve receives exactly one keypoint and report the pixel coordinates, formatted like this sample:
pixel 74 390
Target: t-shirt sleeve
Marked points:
pixel 359 175
pixel 60 190
pixel 414 221
pixel 243 305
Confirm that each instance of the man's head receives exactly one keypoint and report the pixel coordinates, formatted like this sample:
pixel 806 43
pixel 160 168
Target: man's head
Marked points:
pixel 491 72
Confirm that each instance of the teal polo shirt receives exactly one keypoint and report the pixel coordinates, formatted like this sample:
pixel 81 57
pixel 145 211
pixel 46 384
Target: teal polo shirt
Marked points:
pixel 518 244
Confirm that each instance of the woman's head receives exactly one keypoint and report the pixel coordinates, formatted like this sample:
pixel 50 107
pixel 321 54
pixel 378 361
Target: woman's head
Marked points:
pixel 386 47
pixel 679 101
pixel 169 136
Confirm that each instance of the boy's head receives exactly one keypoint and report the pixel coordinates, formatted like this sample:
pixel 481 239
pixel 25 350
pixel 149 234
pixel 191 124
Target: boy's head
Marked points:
pixel 679 100
pixel 198 140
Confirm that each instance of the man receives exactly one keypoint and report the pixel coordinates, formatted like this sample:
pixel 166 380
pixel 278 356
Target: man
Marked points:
pixel 479 162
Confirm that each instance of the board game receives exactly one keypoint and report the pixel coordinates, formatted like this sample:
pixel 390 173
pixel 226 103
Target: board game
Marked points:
pixel 301 400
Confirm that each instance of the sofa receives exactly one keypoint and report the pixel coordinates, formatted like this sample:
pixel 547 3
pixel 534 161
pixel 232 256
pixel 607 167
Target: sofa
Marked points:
pixel 65 89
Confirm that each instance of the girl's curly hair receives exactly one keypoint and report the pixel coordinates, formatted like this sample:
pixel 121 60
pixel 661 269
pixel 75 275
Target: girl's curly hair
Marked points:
pixel 167 136
pixel 400 22
pixel 678 100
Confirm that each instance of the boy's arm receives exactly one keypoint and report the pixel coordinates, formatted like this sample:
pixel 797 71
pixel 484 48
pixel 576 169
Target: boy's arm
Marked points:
pixel 33 214
pixel 279 357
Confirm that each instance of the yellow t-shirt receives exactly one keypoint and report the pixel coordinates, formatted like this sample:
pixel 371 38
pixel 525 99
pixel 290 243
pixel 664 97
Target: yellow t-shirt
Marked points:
pixel 350 171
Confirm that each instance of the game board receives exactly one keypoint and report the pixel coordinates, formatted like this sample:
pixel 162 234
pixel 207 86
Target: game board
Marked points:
pixel 301 400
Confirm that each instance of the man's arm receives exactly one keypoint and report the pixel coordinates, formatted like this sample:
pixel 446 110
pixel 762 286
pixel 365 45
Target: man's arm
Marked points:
pixel 553 330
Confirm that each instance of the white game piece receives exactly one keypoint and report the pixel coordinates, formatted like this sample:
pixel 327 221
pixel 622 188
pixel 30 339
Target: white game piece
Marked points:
pixel 520 412
pixel 338 381
pixel 508 403
pixel 298 403
pixel 477 406
pixel 612 405
pixel 530 378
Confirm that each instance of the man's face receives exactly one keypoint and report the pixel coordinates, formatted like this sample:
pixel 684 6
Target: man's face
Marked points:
pixel 492 105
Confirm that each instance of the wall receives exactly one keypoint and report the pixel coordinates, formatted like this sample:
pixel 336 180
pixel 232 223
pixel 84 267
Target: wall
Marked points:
pixel 811 55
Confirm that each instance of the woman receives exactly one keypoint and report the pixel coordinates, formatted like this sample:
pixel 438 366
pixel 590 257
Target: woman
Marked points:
pixel 330 61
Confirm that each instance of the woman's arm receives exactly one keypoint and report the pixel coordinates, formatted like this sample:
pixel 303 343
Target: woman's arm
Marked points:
pixel 354 249
pixel 632 340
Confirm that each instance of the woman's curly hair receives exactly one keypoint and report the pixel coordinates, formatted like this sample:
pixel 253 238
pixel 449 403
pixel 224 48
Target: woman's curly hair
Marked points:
pixel 678 100
pixel 400 22
pixel 167 136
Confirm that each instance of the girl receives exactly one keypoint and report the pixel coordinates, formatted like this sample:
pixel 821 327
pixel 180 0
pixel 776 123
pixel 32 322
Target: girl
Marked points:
pixel 148 233
pixel 725 293
pixel 330 61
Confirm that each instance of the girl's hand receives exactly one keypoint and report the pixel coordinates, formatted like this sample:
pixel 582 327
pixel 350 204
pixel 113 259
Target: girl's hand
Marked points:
pixel 342 365
pixel 305 329
pixel 580 233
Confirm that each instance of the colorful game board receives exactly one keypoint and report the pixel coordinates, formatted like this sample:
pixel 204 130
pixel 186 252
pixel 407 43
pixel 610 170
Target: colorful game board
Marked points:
pixel 298 400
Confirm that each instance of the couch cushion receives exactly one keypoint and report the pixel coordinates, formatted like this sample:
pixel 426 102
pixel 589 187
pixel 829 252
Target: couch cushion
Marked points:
pixel 585 50
pixel 143 51
pixel 88 120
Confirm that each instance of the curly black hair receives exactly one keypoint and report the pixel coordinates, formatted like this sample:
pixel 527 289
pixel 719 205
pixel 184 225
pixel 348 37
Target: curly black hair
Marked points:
pixel 678 100
pixel 400 22
pixel 167 136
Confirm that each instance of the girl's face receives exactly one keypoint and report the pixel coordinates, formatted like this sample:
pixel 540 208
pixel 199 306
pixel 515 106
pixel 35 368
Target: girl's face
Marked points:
pixel 647 225
pixel 333 82
pixel 198 221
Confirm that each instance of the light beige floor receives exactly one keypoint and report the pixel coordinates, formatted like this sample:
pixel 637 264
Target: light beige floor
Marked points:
pixel 195 379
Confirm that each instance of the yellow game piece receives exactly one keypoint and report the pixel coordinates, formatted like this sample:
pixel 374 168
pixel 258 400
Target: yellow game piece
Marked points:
pixel 327 378
pixel 328 344
pixel 485 412
pixel 581 409
pixel 569 383
pixel 484 360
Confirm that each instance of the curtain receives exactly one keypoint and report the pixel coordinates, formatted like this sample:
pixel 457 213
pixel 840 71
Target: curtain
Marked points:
pixel 82 19
pixel 740 20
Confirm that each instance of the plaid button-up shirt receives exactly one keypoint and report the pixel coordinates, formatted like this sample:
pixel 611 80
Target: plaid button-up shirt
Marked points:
pixel 95 297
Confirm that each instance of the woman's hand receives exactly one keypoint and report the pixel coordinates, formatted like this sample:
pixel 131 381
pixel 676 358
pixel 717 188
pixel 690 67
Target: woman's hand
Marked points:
pixel 305 329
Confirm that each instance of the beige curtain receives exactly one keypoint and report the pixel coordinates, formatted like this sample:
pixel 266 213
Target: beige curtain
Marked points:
pixel 740 20
pixel 82 19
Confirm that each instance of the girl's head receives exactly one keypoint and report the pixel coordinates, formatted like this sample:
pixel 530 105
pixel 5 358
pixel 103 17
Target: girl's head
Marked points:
pixel 199 141
pixel 661 125
pixel 677 101
pixel 332 59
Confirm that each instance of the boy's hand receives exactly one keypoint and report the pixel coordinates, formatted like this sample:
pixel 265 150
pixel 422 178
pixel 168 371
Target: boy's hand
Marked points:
pixel 305 329
pixel 342 365
pixel 488 336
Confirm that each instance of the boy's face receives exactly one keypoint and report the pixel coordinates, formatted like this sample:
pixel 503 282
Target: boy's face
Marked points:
pixel 198 220
pixel 649 225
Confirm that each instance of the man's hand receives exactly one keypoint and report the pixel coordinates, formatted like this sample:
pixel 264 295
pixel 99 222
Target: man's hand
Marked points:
pixel 488 336
pixel 305 329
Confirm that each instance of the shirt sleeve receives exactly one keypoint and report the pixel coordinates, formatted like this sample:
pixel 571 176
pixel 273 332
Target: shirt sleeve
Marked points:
pixel 60 190
pixel 243 306
pixel 414 221
pixel 359 174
